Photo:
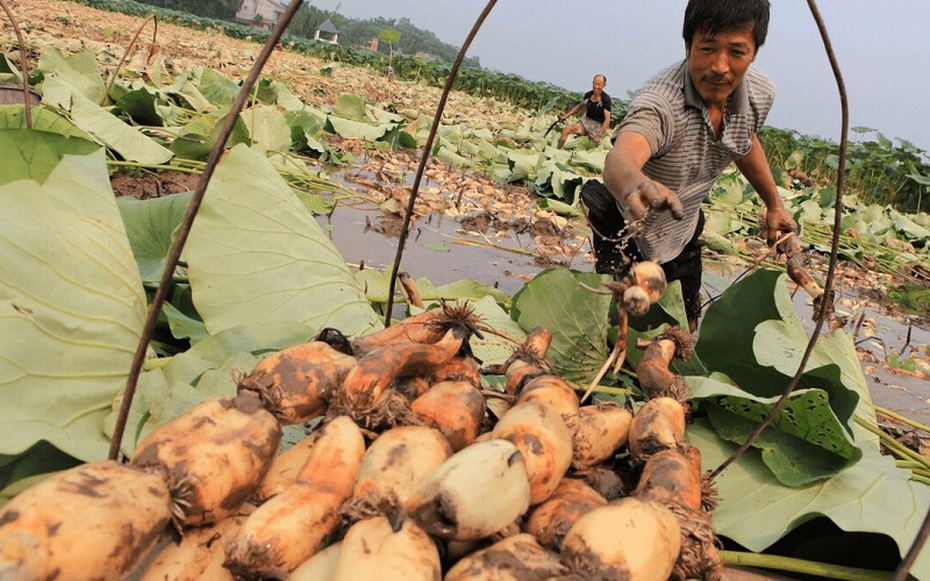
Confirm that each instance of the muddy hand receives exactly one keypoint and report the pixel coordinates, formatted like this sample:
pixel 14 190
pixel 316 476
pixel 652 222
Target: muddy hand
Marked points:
pixel 650 196
pixel 778 222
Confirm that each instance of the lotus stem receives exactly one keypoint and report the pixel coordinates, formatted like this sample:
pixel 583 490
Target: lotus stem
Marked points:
pixel 792 565
pixel 901 419
pixel 893 445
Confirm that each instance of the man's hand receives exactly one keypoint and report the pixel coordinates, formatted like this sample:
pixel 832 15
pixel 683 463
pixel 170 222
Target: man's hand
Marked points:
pixel 778 222
pixel 653 196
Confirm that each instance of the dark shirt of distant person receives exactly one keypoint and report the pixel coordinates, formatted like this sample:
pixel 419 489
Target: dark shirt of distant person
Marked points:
pixel 596 119
pixel 682 129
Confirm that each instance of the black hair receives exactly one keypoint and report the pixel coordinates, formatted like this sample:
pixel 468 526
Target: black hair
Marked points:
pixel 715 16
pixel 601 76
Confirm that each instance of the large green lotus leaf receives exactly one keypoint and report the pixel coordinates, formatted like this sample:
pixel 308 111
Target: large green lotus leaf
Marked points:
pixel 79 72
pixel 576 317
pixel 484 133
pixel 182 325
pixel 31 154
pixel 306 126
pixel 17 471
pixel 756 510
pixel 468 148
pixel 218 88
pixel 718 221
pixel 810 212
pixel 139 104
pixel 352 129
pixel 275 93
pixel 493 348
pixel 375 284
pixel 591 160
pixel 108 129
pixel 488 151
pixel 565 184
pixel 197 138
pixel 560 208
pixel 43 119
pixel 268 128
pixel 287 163
pixel 753 335
pixel 350 107
pixel 523 164
pixel 728 189
pixel 451 158
pixel 150 225
pixel 71 308
pixel 806 441
pixel 781 344
pixel 911 230
pixel 187 90
pixel 463 289
pixel 255 255
pixel 377 115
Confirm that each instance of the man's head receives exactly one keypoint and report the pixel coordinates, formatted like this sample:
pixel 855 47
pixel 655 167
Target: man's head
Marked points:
pixel 722 38
pixel 598 83
pixel 714 16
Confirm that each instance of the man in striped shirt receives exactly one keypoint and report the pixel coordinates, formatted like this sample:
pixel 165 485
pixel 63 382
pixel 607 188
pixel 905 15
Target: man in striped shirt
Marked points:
pixel 683 128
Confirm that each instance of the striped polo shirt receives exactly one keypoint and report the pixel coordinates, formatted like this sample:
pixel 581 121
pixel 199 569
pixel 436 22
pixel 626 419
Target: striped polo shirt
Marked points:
pixel 686 157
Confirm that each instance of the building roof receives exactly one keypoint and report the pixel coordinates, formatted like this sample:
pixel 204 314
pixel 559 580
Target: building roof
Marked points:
pixel 328 27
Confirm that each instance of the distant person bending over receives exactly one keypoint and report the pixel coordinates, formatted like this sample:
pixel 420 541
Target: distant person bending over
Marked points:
pixel 596 118
pixel 682 129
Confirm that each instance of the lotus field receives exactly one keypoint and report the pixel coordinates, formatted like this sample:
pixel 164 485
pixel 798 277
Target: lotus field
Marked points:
pixel 280 424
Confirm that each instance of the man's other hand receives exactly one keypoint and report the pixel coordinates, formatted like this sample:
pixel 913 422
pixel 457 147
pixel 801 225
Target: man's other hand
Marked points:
pixel 778 222
pixel 651 196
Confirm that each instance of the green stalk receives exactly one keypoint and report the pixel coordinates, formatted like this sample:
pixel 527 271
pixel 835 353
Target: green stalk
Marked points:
pixel 894 445
pixel 793 565
pixel 921 479
pixel 611 390
pixel 177 168
pixel 155 363
pixel 899 418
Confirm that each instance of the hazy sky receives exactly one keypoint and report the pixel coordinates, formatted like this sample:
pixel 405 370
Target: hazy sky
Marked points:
pixel 882 47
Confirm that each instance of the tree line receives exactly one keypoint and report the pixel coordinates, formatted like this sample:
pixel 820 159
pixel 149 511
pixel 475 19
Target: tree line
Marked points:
pixel 351 31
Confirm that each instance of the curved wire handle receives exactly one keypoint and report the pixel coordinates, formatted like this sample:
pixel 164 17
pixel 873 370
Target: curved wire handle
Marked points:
pixel 831 271
pixel 132 43
pixel 184 229
pixel 23 65
pixel 427 153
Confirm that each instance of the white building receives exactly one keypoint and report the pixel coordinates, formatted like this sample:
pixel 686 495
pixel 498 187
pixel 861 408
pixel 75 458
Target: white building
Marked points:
pixel 327 32
pixel 261 13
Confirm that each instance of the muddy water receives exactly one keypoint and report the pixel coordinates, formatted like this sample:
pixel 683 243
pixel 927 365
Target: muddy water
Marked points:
pixel 435 249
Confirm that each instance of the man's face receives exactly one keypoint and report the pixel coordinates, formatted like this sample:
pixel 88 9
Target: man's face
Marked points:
pixel 598 84
pixel 718 62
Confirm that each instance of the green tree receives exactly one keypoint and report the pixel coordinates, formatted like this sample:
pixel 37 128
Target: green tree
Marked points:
pixel 218 9
pixel 390 36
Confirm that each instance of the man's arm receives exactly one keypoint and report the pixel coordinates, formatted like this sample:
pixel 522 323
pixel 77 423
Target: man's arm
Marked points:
pixel 605 124
pixel 755 167
pixel 571 111
pixel 624 177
